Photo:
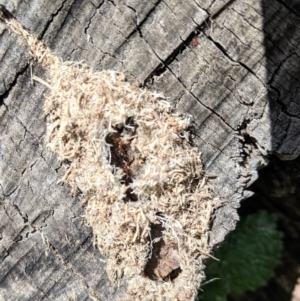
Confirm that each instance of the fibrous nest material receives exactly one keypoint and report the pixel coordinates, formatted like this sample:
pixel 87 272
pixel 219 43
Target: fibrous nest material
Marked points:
pixel 146 197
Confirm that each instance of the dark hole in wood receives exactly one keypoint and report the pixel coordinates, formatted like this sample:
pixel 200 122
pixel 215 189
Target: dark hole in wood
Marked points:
pixel 120 156
pixel 160 264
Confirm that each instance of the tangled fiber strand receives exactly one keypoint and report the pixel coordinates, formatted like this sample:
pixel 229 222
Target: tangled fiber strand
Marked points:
pixel 147 200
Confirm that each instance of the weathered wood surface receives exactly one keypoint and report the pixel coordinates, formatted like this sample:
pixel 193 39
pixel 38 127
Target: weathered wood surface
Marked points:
pixel 239 81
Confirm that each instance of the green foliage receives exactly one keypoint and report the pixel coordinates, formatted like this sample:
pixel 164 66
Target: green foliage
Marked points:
pixel 247 260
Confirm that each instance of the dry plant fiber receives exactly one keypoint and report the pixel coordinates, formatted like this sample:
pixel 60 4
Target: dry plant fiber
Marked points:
pixel 146 198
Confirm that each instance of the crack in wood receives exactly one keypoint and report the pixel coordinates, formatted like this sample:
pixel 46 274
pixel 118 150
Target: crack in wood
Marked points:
pixel 66 265
pixel 288 7
pixel 11 86
pixel 49 22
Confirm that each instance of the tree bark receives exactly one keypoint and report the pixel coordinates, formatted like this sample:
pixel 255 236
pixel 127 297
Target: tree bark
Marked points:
pixel 232 65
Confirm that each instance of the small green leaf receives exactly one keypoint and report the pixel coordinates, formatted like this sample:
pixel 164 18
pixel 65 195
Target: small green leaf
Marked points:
pixel 247 260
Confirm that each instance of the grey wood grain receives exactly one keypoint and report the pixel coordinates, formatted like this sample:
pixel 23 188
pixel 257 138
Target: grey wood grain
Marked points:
pixel 239 82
